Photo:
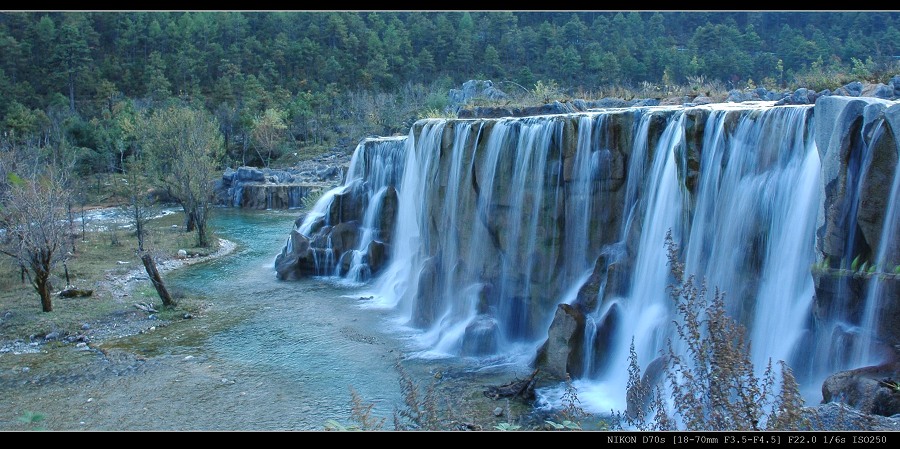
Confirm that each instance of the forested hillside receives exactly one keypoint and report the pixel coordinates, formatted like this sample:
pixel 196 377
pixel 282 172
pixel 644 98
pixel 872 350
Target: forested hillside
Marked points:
pixel 282 82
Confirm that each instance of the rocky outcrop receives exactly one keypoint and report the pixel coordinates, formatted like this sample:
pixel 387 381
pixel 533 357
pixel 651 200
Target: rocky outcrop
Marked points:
pixel 855 137
pixel 296 258
pixel 266 188
pixel 835 416
pixel 254 188
pixel 556 107
pixel 481 337
pixel 561 355
pixel 873 389
pixel 471 90
pixel 338 236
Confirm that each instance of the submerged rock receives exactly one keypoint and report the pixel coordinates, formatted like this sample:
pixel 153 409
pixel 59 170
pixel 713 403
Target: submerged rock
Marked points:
pixel 481 337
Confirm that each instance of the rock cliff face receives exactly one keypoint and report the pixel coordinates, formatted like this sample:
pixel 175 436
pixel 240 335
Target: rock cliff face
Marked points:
pixel 548 231
pixel 350 230
pixel 266 188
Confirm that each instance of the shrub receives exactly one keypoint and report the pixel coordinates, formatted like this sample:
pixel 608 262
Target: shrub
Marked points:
pixel 712 383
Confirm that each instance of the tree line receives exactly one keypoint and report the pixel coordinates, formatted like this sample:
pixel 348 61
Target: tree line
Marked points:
pixel 166 100
pixel 278 81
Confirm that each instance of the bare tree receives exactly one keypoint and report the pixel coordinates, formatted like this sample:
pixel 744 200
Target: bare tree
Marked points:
pixel 35 230
pixel 135 188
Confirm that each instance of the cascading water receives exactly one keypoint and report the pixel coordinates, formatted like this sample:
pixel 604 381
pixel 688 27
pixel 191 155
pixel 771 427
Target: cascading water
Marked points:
pixel 645 314
pixel 477 247
pixel 374 168
pixel 501 222
pixel 867 346
pixel 747 229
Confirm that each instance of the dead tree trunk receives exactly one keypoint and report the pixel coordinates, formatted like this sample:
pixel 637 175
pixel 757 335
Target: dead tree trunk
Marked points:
pixel 150 266
pixel 516 389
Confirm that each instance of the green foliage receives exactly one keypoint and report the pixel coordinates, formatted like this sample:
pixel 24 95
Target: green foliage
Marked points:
pixel 862 70
pixel 506 427
pixel 14 180
pixel 437 113
pixel 312 197
pixel 546 92
pixel 565 425
pixel 820 76
pixel 67 76
pixel 269 133
pixel 184 146
pixel 32 419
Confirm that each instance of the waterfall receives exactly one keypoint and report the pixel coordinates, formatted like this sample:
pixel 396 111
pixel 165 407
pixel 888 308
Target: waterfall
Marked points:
pixel 500 223
pixel 867 349
pixel 646 312
pixel 373 168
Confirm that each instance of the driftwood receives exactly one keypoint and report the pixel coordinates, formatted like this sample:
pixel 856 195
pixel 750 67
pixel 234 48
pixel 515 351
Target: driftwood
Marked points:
pixel 146 307
pixel 75 292
pixel 150 266
pixel 523 388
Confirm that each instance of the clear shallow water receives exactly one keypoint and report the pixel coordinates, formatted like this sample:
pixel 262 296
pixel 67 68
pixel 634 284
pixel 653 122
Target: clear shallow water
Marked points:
pixel 266 355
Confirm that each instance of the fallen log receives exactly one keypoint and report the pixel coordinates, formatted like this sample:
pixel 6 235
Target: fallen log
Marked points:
pixel 74 293
pixel 146 307
pixel 523 389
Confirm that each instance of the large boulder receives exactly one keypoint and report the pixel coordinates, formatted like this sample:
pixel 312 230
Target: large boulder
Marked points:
pixel 376 254
pixel 737 96
pixel 295 259
pixel 872 389
pixel 879 90
pixel 249 174
pixel 344 237
pixel 428 293
pixel 482 337
pixel 853 89
pixel 471 90
pixel 561 355
pixel 835 416
pixel 345 206
pixel 895 84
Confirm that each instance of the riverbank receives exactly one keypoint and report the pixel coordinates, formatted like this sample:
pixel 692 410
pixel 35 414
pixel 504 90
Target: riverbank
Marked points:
pixel 125 318
pixel 121 286
pixel 242 351
pixel 106 264
pixel 255 354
